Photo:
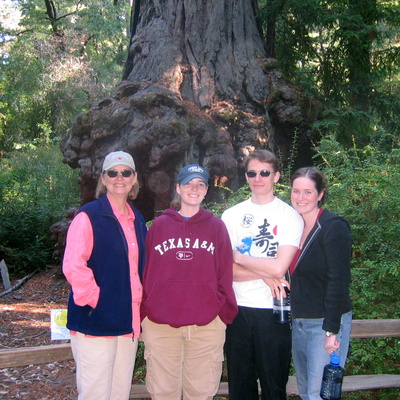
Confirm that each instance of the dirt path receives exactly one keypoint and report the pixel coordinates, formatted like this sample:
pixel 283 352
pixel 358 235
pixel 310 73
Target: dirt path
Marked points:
pixel 25 322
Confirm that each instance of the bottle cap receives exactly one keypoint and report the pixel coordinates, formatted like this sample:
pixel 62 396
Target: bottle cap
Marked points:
pixel 335 359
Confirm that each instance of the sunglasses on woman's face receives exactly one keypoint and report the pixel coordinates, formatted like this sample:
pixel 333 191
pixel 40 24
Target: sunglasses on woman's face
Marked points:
pixel 264 173
pixel 126 173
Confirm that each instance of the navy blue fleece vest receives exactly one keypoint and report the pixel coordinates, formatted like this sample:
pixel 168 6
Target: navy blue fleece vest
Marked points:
pixel 109 262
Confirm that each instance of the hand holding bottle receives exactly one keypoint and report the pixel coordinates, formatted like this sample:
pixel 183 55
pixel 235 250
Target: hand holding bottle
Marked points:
pixel 331 344
pixel 277 286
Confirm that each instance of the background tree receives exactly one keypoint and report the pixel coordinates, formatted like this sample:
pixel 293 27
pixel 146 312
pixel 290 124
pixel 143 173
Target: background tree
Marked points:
pixel 57 57
pixel 346 53
pixel 198 88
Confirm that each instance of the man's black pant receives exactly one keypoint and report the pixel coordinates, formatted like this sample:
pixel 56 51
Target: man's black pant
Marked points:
pixel 257 348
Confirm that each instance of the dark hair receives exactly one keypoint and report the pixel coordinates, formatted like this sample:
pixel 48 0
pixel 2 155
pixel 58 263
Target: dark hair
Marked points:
pixel 264 156
pixel 316 176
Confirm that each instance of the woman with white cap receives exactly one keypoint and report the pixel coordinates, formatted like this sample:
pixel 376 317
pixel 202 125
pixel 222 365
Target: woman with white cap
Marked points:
pixel 188 297
pixel 103 262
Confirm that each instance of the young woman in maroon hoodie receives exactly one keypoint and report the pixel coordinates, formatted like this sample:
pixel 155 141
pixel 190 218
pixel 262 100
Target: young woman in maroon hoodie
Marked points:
pixel 187 295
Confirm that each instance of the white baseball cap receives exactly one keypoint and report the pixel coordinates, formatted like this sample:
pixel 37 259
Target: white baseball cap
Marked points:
pixel 118 158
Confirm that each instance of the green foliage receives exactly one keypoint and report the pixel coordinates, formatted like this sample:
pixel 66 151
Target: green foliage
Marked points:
pixel 228 199
pixel 345 54
pixel 363 187
pixel 140 365
pixel 52 67
pixel 35 191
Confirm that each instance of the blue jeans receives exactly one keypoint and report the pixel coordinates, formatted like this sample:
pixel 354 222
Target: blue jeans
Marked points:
pixel 310 356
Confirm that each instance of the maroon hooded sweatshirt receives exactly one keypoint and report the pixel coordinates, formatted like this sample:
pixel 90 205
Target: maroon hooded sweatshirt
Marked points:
pixel 188 273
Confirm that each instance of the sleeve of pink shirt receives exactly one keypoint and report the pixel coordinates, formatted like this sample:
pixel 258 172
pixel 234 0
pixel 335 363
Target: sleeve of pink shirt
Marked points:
pixel 77 252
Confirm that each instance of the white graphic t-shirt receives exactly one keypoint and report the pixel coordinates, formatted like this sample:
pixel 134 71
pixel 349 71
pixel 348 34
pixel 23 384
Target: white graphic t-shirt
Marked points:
pixel 258 230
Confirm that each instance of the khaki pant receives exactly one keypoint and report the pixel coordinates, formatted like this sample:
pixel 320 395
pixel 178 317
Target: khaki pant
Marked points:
pixel 184 361
pixel 104 366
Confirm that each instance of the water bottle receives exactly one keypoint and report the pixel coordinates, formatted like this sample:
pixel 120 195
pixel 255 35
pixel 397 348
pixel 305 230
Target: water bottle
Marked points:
pixel 281 308
pixel 331 386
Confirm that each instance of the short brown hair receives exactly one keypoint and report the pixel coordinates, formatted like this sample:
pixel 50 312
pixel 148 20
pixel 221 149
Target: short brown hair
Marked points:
pixel 264 156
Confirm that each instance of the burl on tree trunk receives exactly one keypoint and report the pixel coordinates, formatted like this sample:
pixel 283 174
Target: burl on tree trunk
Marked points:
pixel 197 88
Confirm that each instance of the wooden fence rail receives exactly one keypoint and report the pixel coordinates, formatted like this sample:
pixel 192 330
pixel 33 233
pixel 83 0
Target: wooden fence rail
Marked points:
pixel 361 329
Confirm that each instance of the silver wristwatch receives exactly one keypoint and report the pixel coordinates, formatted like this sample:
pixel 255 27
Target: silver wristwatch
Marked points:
pixel 327 333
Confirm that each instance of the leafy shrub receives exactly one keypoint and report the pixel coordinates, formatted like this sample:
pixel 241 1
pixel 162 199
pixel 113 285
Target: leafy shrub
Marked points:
pixel 35 190
pixel 363 187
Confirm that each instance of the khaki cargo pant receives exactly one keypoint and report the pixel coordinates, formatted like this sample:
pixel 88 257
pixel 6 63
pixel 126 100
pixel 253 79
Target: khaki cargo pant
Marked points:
pixel 183 362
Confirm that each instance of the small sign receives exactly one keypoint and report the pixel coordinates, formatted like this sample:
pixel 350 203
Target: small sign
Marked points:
pixel 4 275
pixel 59 330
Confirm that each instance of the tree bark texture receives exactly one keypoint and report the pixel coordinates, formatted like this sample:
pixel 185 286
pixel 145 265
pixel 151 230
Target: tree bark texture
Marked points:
pixel 197 88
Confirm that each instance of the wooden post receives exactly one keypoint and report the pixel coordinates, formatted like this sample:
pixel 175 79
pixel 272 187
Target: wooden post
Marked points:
pixel 4 275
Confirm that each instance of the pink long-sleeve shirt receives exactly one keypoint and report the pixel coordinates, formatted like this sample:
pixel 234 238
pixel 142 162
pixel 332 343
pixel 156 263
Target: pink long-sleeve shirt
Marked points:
pixel 80 276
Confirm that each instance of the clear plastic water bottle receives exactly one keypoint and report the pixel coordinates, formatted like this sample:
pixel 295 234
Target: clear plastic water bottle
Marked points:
pixel 332 379
pixel 281 311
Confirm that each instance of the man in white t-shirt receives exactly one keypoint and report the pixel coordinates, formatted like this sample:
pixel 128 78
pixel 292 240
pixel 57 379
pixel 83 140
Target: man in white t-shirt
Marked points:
pixel 265 233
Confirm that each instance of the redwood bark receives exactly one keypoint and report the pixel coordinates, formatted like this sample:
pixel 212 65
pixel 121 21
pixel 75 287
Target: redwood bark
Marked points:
pixel 197 88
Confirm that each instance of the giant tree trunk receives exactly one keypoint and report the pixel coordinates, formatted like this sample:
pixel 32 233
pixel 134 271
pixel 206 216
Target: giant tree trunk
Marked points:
pixel 196 88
